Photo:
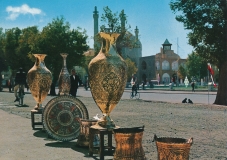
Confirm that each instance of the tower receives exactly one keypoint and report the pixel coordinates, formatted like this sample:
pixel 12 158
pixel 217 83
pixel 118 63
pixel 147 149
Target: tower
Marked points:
pixel 166 45
pixel 122 21
pixel 96 24
pixel 137 33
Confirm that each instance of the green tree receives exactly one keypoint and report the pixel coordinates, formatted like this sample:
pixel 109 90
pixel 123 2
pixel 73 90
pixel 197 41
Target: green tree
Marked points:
pixel 112 22
pixel 56 38
pixel 182 72
pixel 11 44
pixel 206 20
pixel 25 46
pixel 17 46
pixel 3 65
pixel 196 66
pixel 132 69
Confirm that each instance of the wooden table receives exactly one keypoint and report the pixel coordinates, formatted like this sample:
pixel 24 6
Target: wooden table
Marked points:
pixel 101 148
pixel 33 113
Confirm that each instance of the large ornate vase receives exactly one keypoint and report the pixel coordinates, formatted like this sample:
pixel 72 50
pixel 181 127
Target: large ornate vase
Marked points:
pixel 39 80
pixel 107 78
pixel 64 78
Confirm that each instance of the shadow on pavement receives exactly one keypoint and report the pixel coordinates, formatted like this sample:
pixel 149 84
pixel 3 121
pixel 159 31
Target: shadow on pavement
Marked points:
pixel 61 144
pixel 24 105
pixel 40 134
pixel 84 150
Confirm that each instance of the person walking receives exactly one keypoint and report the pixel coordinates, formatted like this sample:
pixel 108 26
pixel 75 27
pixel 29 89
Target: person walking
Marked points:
pixel 134 85
pixel 9 85
pixel 75 81
pixel 20 79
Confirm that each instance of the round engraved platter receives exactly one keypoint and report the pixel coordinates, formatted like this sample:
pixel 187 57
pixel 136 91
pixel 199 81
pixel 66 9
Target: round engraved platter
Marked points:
pixel 61 117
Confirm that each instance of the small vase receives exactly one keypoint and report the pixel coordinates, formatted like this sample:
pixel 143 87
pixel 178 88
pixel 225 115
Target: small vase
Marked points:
pixel 64 78
pixel 107 78
pixel 39 80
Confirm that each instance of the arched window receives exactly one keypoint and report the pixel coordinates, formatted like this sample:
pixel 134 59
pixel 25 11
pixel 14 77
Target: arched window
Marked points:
pixel 165 78
pixel 175 66
pixel 144 65
pixel 165 65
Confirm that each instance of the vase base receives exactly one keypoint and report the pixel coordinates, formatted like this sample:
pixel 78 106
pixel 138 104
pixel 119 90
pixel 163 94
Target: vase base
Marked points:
pixel 38 107
pixel 106 122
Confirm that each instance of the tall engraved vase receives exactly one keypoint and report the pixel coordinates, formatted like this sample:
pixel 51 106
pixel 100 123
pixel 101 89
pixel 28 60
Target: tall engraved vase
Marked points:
pixel 64 78
pixel 107 78
pixel 39 80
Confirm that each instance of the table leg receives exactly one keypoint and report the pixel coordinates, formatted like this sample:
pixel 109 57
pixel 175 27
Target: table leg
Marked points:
pixel 109 142
pixel 101 145
pixel 91 139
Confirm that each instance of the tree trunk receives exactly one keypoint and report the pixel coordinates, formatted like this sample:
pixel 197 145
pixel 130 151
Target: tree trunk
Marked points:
pixel 221 97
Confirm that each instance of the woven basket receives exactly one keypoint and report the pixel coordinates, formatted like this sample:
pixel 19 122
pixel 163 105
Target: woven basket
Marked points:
pixel 173 148
pixel 129 144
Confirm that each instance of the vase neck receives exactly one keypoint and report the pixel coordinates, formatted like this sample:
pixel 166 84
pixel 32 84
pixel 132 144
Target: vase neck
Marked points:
pixel 64 56
pixel 40 59
pixel 108 42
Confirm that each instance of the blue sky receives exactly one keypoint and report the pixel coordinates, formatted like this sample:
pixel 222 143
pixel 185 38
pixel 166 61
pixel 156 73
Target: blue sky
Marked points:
pixel 154 19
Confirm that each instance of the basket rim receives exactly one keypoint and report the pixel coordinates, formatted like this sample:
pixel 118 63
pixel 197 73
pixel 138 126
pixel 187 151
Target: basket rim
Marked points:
pixel 127 130
pixel 171 140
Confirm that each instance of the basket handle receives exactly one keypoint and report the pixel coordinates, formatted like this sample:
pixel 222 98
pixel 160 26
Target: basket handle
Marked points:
pixel 190 140
pixel 155 138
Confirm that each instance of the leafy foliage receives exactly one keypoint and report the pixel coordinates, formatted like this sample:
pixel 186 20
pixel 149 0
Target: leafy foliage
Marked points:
pixel 196 66
pixel 3 64
pixel 17 46
pixel 116 23
pixel 56 38
pixel 132 69
pixel 182 72
pixel 206 20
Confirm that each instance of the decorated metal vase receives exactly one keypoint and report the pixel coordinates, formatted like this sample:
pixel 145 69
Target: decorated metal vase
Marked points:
pixel 64 78
pixel 39 80
pixel 107 78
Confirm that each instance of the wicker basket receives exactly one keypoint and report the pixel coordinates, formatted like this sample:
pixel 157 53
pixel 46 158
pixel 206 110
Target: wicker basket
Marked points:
pixel 173 148
pixel 129 144
pixel 85 124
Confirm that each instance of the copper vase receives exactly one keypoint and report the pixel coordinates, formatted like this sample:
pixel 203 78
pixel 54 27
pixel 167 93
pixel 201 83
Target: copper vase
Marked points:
pixel 129 144
pixel 39 80
pixel 107 78
pixel 64 78
pixel 173 148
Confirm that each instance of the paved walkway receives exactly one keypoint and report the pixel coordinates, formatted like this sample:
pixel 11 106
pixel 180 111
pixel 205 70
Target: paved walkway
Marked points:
pixel 19 142
pixel 207 124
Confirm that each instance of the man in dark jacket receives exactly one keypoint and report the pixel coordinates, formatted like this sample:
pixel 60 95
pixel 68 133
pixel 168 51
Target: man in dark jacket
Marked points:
pixel 20 78
pixel 74 82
